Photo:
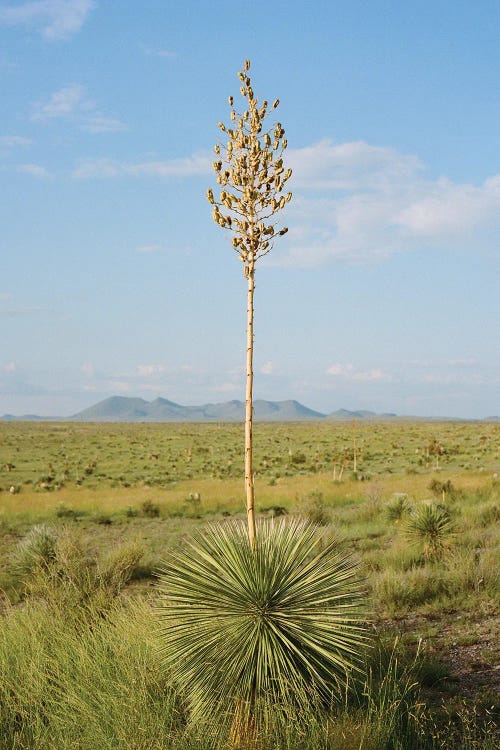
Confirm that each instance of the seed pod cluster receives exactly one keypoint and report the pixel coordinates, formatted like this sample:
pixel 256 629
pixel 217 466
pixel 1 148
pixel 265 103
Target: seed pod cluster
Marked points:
pixel 251 174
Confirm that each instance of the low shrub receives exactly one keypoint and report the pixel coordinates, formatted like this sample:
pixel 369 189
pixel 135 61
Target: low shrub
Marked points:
pixel 150 509
pixel 313 509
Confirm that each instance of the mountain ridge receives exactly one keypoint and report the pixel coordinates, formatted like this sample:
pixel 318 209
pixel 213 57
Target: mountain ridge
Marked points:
pixel 135 409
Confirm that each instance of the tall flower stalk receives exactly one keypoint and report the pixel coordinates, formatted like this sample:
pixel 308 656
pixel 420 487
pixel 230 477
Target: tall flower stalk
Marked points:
pixel 250 172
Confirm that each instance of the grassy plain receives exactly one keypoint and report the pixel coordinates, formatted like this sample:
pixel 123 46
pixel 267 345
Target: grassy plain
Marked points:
pixel 142 487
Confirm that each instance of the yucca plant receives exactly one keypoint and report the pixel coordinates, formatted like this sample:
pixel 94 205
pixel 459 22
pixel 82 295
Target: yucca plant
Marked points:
pixel 265 619
pixel 398 507
pixel 35 552
pixel 246 631
pixel 430 526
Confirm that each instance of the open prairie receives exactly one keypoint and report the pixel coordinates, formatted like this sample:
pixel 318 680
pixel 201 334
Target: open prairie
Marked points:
pixel 123 494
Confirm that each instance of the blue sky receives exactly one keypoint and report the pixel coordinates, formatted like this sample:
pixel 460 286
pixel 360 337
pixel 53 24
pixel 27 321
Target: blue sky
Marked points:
pixel 383 295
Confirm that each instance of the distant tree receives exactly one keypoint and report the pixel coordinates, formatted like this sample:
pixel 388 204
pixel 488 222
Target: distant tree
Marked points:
pixel 250 172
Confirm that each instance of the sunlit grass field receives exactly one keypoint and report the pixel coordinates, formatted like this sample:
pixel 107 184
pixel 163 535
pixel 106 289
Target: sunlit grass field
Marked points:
pixel 122 495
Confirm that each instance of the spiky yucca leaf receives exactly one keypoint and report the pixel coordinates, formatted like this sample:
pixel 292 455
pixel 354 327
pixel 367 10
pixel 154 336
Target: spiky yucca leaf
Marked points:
pixel 431 526
pixel 280 625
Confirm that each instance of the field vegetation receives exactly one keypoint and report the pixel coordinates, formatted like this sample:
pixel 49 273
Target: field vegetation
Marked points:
pixel 88 512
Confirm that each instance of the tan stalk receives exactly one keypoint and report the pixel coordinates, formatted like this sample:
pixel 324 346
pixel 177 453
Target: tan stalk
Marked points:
pixel 249 479
pixel 249 169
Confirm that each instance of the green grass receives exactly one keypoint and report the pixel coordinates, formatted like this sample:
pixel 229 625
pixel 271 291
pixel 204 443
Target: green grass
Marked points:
pixel 49 456
pixel 94 679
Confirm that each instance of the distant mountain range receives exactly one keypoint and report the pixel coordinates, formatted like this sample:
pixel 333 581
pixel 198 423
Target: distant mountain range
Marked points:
pixel 125 409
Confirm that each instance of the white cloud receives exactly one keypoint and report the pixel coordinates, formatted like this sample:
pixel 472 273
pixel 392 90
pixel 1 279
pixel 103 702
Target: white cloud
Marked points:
pixel 350 166
pixel 88 369
pixel 55 19
pixel 197 164
pixel 154 52
pixel 36 170
pixel 15 312
pixel 72 103
pixel 339 370
pixel 464 362
pixel 8 142
pixel 120 386
pixel 370 375
pixel 375 202
pixel 349 372
pixel 267 368
pixel 149 371
pixel 10 368
pixel 66 102
pixel 101 124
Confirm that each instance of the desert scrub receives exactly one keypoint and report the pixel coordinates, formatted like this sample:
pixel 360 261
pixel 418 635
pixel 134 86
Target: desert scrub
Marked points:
pixel 52 565
pixel 312 508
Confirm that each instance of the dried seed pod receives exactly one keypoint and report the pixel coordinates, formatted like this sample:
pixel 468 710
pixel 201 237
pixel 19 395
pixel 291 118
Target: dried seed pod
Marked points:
pixel 247 64
pixel 276 103
pixel 231 101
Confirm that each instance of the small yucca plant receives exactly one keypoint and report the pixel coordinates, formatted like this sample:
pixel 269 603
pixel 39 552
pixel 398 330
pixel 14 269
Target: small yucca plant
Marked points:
pixel 430 525
pixel 35 552
pixel 247 631
pixel 397 508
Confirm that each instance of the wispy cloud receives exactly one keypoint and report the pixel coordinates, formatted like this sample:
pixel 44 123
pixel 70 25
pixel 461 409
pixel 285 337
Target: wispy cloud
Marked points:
pixel 14 312
pixel 150 371
pixel 197 164
pixel 267 368
pixel 54 19
pixel 371 202
pixel 349 372
pixel 10 142
pixel 158 52
pixel 72 103
pixel 101 124
pixel 66 102
pixel 35 170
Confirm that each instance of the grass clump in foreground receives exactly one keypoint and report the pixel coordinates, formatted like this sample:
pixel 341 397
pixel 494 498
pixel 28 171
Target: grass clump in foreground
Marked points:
pixel 88 679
